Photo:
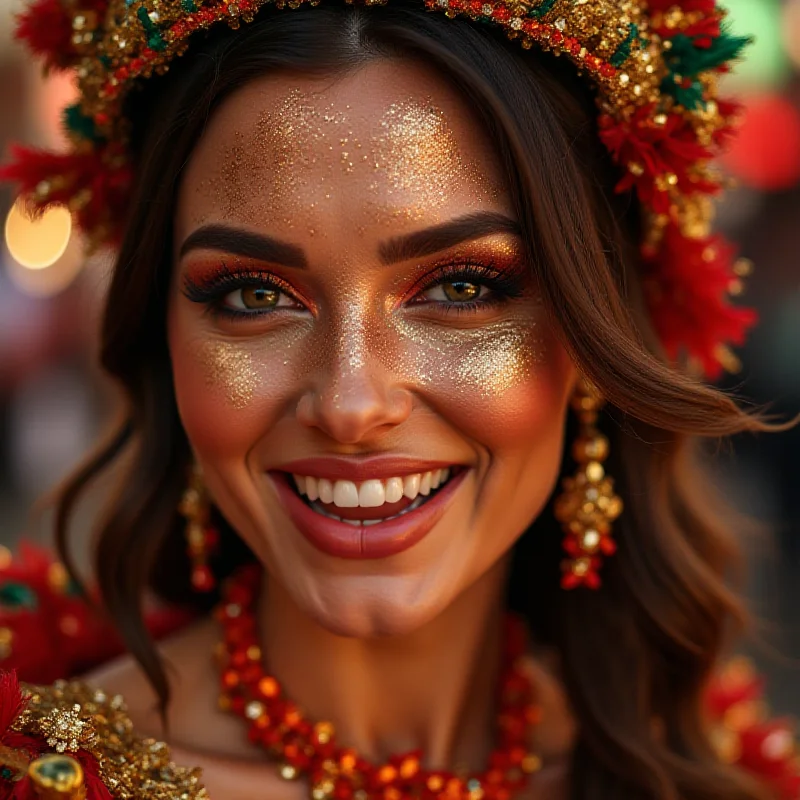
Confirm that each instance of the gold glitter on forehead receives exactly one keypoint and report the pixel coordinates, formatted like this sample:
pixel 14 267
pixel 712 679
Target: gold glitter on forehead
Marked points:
pixel 418 152
pixel 229 367
pixel 297 154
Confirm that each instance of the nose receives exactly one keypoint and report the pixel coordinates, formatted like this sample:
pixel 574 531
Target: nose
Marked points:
pixel 349 402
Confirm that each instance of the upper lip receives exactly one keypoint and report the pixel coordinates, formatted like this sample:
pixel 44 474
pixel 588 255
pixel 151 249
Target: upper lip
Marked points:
pixel 361 468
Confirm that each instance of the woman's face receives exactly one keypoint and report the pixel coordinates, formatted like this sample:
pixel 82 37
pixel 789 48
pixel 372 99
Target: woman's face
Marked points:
pixel 353 322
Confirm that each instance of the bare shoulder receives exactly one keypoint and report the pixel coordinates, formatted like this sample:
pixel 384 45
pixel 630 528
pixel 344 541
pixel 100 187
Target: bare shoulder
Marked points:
pixel 187 658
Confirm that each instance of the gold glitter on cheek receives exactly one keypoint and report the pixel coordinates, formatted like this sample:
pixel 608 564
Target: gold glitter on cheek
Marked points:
pixel 229 368
pixel 477 363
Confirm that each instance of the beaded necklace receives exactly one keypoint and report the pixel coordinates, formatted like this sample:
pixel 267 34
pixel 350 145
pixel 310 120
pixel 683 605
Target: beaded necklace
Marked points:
pixel 307 749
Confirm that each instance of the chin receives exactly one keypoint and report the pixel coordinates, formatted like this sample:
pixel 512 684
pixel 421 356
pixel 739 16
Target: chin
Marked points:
pixel 375 606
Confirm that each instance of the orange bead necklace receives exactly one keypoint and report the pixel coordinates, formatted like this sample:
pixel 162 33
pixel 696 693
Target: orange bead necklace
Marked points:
pixel 307 749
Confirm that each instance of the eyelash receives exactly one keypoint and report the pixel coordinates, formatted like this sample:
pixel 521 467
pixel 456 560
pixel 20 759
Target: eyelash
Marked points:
pixel 504 286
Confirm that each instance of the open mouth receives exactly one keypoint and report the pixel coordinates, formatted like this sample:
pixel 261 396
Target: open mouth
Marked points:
pixel 350 514
pixel 372 501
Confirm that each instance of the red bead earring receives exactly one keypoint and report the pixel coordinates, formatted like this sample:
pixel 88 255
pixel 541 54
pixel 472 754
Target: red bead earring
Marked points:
pixel 202 539
pixel 587 506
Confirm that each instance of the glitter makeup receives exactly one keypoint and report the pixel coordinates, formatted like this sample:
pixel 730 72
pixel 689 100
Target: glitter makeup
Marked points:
pixel 229 368
pixel 304 152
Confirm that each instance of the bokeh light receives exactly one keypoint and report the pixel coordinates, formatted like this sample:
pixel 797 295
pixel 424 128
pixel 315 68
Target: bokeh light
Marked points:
pixel 790 24
pixel 766 153
pixel 37 243
pixel 765 62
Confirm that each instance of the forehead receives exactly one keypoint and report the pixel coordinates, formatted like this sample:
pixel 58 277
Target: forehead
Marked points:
pixel 388 144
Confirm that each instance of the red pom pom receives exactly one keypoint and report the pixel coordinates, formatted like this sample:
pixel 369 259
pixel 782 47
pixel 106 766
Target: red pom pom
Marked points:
pixel 656 157
pixel 46 26
pixel 688 298
pixel 47 179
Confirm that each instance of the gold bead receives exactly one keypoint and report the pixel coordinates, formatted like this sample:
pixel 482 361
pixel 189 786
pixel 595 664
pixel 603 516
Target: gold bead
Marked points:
pixel 590 540
pixel 287 772
pixel 594 471
pixel 254 709
pixel 531 763
pixel 323 732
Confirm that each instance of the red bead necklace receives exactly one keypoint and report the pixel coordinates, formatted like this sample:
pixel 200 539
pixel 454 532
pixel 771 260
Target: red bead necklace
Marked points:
pixel 307 749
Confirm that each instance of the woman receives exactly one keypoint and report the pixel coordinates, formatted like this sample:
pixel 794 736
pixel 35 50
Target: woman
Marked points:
pixel 374 283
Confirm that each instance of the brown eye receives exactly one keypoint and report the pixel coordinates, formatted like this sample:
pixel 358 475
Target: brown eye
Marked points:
pixel 260 297
pixel 461 291
pixel 257 298
pixel 454 292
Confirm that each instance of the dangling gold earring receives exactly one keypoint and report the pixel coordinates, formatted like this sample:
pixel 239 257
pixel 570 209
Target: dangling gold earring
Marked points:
pixel 201 538
pixel 587 506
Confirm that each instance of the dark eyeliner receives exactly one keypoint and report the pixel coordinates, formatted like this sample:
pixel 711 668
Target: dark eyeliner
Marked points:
pixel 504 284
pixel 212 290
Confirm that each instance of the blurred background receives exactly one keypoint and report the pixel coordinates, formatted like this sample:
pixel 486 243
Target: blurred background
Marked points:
pixel 53 401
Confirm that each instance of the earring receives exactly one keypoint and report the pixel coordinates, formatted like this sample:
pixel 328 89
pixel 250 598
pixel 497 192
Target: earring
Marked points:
pixel 587 506
pixel 201 538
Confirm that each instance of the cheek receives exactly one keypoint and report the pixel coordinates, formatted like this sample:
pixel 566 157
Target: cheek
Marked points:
pixel 229 393
pixel 503 385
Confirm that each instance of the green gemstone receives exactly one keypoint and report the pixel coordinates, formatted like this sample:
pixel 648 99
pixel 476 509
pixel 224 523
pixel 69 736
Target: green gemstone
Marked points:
pixel 57 772
pixel 16 595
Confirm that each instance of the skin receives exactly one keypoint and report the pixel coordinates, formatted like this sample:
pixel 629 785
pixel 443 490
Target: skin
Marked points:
pixel 357 359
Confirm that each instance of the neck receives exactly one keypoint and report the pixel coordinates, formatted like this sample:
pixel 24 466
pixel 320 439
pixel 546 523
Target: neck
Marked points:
pixel 431 690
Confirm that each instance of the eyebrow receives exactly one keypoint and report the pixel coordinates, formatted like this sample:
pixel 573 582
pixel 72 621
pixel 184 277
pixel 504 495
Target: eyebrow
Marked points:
pixel 249 244
pixel 244 243
pixel 447 235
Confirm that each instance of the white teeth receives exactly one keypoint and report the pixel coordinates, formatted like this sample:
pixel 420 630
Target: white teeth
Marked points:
pixel 411 486
pixel 325 489
pixel 345 494
pixel 371 494
pixel 367 522
pixel 394 490
pixel 425 484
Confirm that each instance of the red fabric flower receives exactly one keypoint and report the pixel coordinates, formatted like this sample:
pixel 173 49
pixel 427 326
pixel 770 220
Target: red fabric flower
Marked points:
pixel 55 632
pixel 652 154
pixel 46 27
pixel 688 293
pixel 96 173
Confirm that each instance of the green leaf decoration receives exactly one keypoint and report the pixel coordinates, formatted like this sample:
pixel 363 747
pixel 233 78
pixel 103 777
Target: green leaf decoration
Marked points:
pixel 623 52
pixel 686 59
pixel 544 8
pixel 188 6
pixel 17 595
pixel 154 38
pixel 77 122
pixel 690 97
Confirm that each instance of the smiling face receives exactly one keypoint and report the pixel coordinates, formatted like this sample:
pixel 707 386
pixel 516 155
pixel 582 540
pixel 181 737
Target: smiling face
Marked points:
pixel 362 363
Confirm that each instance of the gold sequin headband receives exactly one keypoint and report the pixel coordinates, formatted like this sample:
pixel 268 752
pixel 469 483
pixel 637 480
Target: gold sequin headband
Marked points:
pixel 655 66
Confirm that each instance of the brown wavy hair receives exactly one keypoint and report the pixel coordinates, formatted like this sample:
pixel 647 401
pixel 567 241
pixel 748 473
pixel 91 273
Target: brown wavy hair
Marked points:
pixel 635 656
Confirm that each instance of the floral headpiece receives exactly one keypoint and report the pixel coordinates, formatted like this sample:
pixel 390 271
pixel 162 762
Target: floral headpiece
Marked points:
pixel 654 64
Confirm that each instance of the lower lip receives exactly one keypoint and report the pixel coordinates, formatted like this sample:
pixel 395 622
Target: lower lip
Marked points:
pixel 365 541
